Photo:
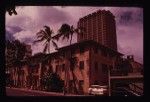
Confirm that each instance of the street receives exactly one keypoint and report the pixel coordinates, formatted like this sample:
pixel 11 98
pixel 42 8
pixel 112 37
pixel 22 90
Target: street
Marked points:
pixel 26 92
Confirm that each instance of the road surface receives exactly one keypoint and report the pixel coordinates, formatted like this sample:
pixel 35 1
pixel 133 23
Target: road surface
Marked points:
pixel 26 92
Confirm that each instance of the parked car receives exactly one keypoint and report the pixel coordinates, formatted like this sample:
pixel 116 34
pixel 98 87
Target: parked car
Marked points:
pixel 98 90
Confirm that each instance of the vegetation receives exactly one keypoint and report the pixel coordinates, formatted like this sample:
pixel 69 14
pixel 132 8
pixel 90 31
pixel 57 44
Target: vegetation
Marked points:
pixel 66 32
pixel 52 82
pixel 46 35
pixel 14 53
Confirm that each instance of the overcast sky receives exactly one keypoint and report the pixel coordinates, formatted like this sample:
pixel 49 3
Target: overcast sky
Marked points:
pixel 31 19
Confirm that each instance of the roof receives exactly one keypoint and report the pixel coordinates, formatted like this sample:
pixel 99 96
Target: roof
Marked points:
pixel 136 64
pixel 97 12
pixel 42 57
pixel 87 43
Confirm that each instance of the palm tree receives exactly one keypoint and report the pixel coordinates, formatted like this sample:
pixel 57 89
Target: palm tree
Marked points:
pixel 66 31
pixel 46 35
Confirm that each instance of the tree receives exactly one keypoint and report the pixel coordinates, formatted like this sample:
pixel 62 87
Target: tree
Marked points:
pixel 52 82
pixel 46 35
pixel 66 32
pixel 14 53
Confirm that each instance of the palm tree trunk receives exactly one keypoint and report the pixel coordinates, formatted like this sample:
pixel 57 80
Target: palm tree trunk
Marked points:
pixel 49 48
pixel 67 73
pixel 73 76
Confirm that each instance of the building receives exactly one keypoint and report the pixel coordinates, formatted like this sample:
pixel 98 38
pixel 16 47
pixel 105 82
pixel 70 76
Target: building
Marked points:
pixel 82 64
pixel 93 61
pixel 137 67
pixel 99 26
pixel 91 64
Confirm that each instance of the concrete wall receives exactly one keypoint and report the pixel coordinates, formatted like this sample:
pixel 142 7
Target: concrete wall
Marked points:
pixel 99 75
pixel 80 74
pixel 88 74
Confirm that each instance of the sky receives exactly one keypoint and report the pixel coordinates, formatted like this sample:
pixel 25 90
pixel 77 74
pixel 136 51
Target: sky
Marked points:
pixel 31 19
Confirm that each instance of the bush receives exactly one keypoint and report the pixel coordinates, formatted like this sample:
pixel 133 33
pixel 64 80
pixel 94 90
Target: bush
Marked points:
pixel 52 82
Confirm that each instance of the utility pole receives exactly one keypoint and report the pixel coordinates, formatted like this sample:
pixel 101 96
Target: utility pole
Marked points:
pixel 109 84
pixel 64 90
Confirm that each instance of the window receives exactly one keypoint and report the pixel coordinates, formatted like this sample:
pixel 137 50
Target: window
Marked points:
pixel 111 55
pixel 96 50
pixel 63 67
pixel 87 61
pixel 71 86
pixel 57 66
pixel 50 68
pixel 81 83
pixel 96 82
pixel 111 67
pixel 73 51
pixel 71 83
pixel 63 54
pixel 96 67
pixel 81 65
pixel 104 53
pixel 104 68
pixel 62 82
pixel 81 37
pixel 35 70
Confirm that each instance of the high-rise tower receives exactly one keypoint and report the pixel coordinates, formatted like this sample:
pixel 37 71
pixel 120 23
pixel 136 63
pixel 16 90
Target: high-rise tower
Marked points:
pixel 99 26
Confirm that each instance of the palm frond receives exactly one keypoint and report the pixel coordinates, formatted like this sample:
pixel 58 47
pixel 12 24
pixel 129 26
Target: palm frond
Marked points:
pixel 45 48
pixel 55 45
pixel 42 33
pixel 56 37
pixel 39 40
pixel 48 31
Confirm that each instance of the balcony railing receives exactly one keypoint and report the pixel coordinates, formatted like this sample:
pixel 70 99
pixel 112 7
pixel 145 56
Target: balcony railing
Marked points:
pixel 118 72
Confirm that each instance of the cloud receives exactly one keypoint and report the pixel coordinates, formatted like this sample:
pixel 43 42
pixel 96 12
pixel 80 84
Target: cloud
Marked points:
pixel 31 19
pixel 9 36
pixel 24 36
pixel 130 17
pixel 130 33
pixel 10 30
